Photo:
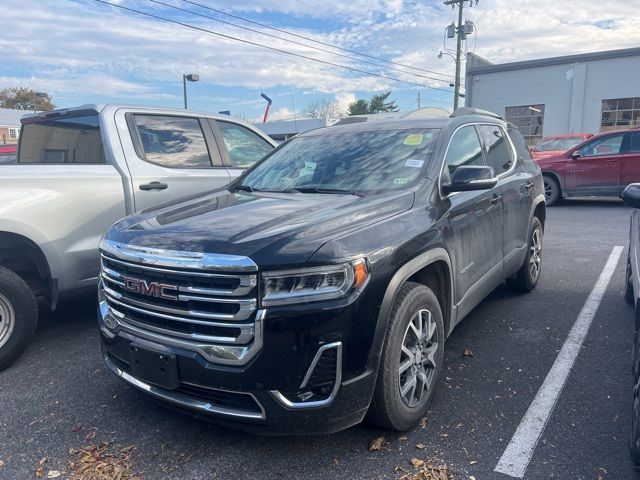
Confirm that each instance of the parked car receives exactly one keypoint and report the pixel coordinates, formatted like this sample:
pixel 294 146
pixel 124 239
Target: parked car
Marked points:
pixel 603 165
pixel 321 285
pixel 8 154
pixel 631 197
pixel 81 169
pixel 557 144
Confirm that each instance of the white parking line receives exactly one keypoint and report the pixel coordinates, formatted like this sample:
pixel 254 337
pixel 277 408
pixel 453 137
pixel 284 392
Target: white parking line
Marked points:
pixel 517 455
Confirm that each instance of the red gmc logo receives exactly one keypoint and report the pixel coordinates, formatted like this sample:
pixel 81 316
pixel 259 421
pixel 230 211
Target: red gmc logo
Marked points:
pixel 151 289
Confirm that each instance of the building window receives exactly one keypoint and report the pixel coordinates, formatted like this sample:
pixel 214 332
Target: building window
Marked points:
pixel 13 133
pixel 620 113
pixel 529 120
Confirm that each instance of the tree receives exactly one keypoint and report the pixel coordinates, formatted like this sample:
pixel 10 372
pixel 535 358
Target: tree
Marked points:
pixel 359 107
pixel 322 109
pixel 380 103
pixel 22 98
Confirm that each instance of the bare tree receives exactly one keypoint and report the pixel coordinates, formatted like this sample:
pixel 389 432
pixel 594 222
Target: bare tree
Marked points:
pixel 322 109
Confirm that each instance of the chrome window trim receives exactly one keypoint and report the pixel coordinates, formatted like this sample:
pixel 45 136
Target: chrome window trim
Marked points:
pixel 336 385
pixel 178 259
pixel 514 153
pixel 184 400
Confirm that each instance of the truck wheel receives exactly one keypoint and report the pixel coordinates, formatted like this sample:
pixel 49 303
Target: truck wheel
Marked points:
pixel 551 190
pixel 18 316
pixel 628 289
pixel 527 277
pixel 411 359
pixel 634 441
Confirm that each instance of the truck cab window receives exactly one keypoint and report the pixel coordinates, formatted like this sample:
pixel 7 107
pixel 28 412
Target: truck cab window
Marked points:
pixel 62 140
pixel 244 147
pixel 173 141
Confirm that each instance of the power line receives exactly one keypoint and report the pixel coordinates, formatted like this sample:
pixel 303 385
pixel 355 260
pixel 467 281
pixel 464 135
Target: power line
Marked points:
pixel 230 37
pixel 206 7
pixel 158 2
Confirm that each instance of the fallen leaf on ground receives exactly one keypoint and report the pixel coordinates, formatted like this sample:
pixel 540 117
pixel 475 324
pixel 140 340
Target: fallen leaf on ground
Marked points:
pixel 473 462
pixel 402 438
pixel 467 353
pixel 423 422
pixel 416 462
pixel 97 462
pixel 77 427
pixel 42 461
pixel 91 435
pixel 1 463
pixel 377 444
pixel 39 472
pixel 421 446
pixel 430 471
pixel 53 474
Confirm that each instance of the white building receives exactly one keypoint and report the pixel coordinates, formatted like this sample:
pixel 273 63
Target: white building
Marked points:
pixel 590 92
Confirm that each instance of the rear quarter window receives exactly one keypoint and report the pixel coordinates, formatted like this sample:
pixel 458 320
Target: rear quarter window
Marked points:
pixel 68 140
pixel 522 150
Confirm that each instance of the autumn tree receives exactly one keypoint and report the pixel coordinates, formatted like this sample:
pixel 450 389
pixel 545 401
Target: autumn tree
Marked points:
pixel 22 98
pixel 322 109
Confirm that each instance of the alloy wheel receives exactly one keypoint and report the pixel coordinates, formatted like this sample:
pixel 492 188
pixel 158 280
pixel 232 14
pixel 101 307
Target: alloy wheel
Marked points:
pixel 548 190
pixel 535 257
pixel 417 363
pixel 7 320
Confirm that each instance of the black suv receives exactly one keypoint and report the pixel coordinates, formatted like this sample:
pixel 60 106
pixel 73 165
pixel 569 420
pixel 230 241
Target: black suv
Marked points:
pixel 320 286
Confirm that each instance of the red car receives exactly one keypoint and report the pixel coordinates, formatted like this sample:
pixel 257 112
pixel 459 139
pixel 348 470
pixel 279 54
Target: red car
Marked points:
pixel 557 144
pixel 603 165
pixel 8 153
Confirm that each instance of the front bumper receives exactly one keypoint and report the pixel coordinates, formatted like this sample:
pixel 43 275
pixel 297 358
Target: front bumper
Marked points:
pixel 261 397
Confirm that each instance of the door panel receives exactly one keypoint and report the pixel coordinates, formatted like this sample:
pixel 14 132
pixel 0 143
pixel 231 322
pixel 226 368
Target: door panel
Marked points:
pixel 597 170
pixel 169 157
pixel 476 217
pixel 630 170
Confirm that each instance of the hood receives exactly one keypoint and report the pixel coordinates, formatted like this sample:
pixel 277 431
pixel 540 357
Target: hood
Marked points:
pixel 547 153
pixel 271 228
pixel 551 159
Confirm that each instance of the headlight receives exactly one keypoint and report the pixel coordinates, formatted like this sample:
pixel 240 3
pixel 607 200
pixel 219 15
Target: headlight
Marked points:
pixel 313 284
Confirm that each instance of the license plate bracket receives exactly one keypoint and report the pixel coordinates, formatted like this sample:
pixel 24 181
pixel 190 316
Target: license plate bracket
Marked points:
pixel 158 368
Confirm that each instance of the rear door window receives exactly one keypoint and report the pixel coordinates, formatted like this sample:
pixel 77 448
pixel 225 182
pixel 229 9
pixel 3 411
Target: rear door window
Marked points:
pixel 497 148
pixel 171 141
pixel 62 140
pixel 464 149
pixel 244 147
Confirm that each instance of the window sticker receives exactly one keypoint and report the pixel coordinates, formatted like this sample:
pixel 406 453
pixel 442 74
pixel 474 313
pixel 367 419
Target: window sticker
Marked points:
pixel 413 139
pixel 400 181
pixel 414 162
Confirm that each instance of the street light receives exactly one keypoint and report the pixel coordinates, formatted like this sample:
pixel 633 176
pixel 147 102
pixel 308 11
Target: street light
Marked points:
pixel 36 96
pixel 191 77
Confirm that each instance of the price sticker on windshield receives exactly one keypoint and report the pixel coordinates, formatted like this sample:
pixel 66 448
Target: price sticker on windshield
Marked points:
pixel 413 139
pixel 415 163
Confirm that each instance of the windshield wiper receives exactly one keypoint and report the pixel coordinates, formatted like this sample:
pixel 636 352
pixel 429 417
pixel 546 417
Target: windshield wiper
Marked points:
pixel 247 188
pixel 322 190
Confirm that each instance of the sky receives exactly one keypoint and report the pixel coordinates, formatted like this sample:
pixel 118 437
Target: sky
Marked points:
pixel 83 51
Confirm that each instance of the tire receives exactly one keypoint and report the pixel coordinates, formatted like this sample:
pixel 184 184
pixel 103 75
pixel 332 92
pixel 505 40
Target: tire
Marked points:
pixel 414 305
pixel 628 289
pixel 18 316
pixel 634 441
pixel 551 190
pixel 526 279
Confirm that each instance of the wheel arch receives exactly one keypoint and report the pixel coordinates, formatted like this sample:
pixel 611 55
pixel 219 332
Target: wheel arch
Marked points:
pixel 27 260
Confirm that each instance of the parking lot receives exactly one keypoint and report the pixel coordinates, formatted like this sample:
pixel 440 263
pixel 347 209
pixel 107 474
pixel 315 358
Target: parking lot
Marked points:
pixel 59 392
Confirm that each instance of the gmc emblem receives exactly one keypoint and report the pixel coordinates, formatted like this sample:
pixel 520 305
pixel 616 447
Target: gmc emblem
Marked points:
pixel 151 289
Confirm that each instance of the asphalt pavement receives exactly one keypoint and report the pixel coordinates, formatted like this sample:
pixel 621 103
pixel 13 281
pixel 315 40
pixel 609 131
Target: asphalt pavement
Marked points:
pixel 59 396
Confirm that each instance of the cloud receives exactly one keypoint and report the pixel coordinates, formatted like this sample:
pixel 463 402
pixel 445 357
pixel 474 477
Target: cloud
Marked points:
pixel 344 100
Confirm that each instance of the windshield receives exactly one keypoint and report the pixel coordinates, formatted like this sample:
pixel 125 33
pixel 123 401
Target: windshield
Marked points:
pixel 558 144
pixel 379 160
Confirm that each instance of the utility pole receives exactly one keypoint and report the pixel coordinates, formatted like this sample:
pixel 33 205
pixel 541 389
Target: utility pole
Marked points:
pixel 461 32
pixel 418 100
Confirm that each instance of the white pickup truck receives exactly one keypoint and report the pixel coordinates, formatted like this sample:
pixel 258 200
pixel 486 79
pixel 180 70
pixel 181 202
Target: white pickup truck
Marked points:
pixel 80 170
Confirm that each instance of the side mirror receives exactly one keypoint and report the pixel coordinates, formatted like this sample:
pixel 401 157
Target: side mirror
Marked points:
pixel 470 177
pixel 576 154
pixel 631 195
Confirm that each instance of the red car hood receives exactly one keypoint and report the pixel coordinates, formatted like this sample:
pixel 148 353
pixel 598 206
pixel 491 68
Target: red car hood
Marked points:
pixel 548 153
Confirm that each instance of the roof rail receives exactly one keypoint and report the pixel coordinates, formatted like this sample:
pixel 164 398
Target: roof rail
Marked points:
pixel 473 111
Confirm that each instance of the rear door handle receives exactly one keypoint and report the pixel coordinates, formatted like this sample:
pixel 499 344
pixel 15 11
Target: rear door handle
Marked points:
pixel 154 186
pixel 496 199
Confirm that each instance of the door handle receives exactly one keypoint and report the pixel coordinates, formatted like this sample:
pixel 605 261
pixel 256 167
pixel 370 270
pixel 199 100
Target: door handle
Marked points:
pixel 154 186
pixel 496 199
pixel 612 160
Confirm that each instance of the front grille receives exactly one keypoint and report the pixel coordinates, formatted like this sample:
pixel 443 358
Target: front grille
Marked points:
pixel 199 305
